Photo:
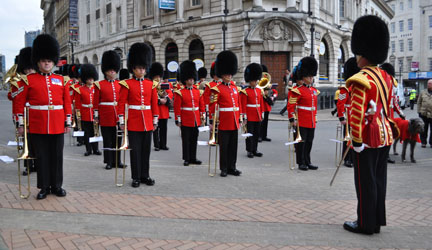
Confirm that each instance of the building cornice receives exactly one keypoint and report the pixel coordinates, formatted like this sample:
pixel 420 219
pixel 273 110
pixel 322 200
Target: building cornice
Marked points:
pixel 385 8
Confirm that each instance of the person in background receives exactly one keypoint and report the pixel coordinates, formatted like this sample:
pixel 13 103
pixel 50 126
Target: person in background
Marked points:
pixel 424 108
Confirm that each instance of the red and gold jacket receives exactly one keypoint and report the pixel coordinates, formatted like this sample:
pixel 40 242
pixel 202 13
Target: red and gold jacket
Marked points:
pixel 227 96
pixel 16 88
pixel 305 99
pixel 188 106
pixel 84 103
pixel 142 98
pixel 344 102
pixel 164 108
pixel 207 90
pixel 368 120
pixel 49 103
pixel 105 104
pixel 252 104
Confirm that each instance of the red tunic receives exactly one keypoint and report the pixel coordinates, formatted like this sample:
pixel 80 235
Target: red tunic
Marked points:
pixel 106 98
pixel 141 96
pixel 344 102
pixel 188 107
pixel 404 132
pixel 85 103
pixel 227 96
pixel 164 108
pixel 49 101
pixel 252 104
pixel 305 99
pixel 207 90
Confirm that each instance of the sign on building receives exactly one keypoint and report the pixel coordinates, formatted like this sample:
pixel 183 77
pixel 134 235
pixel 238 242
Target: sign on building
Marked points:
pixel 73 20
pixel 167 4
pixel 414 66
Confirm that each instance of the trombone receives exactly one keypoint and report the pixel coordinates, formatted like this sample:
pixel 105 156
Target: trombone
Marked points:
pixel 293 132
pixel 124 147
pixel 214 141
pixel 24 156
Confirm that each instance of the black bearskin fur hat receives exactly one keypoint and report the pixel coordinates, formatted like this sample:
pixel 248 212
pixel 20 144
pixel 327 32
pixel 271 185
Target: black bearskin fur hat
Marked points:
pixel 124 74
pixel 110 60
pixel 370 39
pixel 202 73
pixel 64 70
pixel 307 66
pixel 293 75
pixel 226 63
pixel 187 71
pixel 253 72
pixel 387 67
pixel 88 71
pixel 73 70
pixel 24 60
pixel 212 70
pixel 264 68
pixel 156 69
pixel 350 68
pixel 140 54
pixel 45 47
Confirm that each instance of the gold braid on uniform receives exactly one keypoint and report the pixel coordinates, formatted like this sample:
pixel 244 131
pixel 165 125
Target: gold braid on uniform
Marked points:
pixel 97 84
pixel 124 84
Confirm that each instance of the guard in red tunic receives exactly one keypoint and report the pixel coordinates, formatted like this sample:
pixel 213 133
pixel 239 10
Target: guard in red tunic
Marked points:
pixel 49 115
pixel 106 97
pixel 188 111
pixel 269 96
pixel 304 99
pixel 165 96
pixel 84 105
pixel 226 95
pixel 141 96
pixel 370 123
pixel 74 85
pixel 209 86
pixel 251 99
pixel 202 75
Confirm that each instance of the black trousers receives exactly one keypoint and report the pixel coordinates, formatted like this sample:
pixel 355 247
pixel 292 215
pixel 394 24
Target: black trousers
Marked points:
pixel 140 145
pixel 304 147
pixel 160 134
pixel 335 109
pixel 252 141
pixel 109 135
pixel 264 125
pixel 412 104
pixel 48 149
pixel 370 178
pixel 348 156
pixel 424 135
pixel 228 142
pixel 189 142
pixel 89 132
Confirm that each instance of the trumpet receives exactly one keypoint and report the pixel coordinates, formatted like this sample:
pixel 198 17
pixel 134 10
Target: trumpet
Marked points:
pixel 124 147
pixel 24 156
pixel 214 141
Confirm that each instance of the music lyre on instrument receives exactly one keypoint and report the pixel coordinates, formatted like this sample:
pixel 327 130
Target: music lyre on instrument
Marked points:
pixel 24 156
pixel 214 141
pixel 124 147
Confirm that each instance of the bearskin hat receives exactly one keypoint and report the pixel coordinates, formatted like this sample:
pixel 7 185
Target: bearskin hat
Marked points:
pixel 124 74
pixel 73 70
pixel 187 71
pixel 350 68
pixel 16 59
pixel 140 54
pixel 24 60
pixel 212 69
pixel 264 68
pixel 165 74
pixel 370 39
pixel 307 66
pixel 253 72
pixel 110 60
pixel 387 67
pixel 226 63
pixel 156 69
pixel 202 72
pixel 45 47
pixel 88 71
pixel 64 69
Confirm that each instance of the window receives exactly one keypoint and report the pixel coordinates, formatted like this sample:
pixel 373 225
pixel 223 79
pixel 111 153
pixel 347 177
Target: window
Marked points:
pixel 410 24
pixel 401 24
pixel 430 42
pixel 97 14
pixel 149 7
pixel 401 7
pixel 430 64
pixel 393 7
pixel 118 19
pixel 400 63
pixel 410 44
pixel 97 3
pixel 195 2
pixel 342 8
pixel 324 61
pixel 108 24
pixel 401 45
pixel 393 46
pixel 196 50
pixel 108 8
pixel 88 33
pixel 409 4
pixel 409 60
pixel 88 19
pixel 430 21
pixel 393 27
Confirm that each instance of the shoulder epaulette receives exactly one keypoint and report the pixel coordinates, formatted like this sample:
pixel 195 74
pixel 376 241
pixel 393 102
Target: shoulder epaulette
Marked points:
pixel 155 84
pixel 318 92
pixel 359 78
pixel 65 80
pixel 215 88
pixel 395 83
pixel 24 78
pixel 76 89
pixel 124 83
pixel 296 91
pixel 201 92
pixel 178 92
pixel 207 84
pixel 97 84
pixel 242 91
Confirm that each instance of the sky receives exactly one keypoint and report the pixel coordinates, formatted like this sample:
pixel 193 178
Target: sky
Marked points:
pixel 16 17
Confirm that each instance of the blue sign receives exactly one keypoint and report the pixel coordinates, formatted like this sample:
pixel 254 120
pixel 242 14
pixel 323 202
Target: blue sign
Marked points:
pixel 167 4
pixel 419 75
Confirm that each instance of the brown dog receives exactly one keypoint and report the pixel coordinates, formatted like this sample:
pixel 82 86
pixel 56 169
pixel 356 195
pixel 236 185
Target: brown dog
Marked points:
pixel 409 134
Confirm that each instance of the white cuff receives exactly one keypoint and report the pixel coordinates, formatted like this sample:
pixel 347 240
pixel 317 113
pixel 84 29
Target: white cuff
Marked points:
pixel 155 120
pixel 359 149
pixel 20 120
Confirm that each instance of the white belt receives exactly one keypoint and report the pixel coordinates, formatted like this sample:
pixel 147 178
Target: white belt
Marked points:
pixel 189 109
pixel 306 108
pixel 108 103
pixel 253 105
pixel 229 109
pixel 46 107
pixel 139 107
pixel 87 105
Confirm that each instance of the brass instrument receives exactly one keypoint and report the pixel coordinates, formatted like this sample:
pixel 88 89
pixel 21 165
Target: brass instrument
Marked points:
pixel 78 116
pixel 292 141
pixel 214 141
pixel 96 128
pixel 24 156
pixel 124 147
pixel 12 75
pixel 265 82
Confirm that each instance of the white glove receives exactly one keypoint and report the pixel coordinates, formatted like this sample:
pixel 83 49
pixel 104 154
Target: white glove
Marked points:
pixel 359 149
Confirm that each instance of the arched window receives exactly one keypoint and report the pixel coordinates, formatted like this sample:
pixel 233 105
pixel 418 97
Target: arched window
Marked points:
pixel 324 61
pixel 171 57
pixel 95 62
pixel 196 50
pixel 85 60
pixel 341 62
pixel 77 61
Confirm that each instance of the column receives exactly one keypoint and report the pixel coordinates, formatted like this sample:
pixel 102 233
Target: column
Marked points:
pixel 156 14
pixel 291 5
pixel 180 10
pixel 257 5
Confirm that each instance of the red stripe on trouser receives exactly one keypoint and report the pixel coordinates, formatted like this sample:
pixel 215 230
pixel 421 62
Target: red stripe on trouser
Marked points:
pixel 359 187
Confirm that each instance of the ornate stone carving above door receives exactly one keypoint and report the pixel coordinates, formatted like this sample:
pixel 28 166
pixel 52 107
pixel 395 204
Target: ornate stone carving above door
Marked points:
pixel 275 30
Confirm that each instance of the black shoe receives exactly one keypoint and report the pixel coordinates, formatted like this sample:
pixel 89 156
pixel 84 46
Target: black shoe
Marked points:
pixel 135 183
pixel 97 152
pixel 377 229
pixel 390 161
pixel 185 163
pixel 60 192
pixel 303 167
pixel 266 139
pixel 42 194
pixel 281 113
pixel 196 162
pixel 423 145
pixel 87 153
pixel 352 226
pixel 250 154
pixel 259 139
pixel 80 144
pixel 223 174
pixel 164 148
pixel 312 167
pixel 157 149
pixel 234 172
pixel 121 165
pixel 333 112
pixel 148 181
pixel 348 164
pixel 108 167
pixel 25 172
pixel 258 154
